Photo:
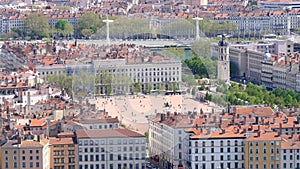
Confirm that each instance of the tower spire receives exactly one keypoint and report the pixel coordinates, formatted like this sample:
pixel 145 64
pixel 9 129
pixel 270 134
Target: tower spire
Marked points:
pixel 223 60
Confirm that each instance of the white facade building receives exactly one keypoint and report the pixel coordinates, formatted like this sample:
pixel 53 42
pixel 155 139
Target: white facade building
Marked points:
pixel 166 139
pixel 290 155
pixel 111 149
pixel 46 154
pixel 147 73
pixel 215 150
pixel 102 124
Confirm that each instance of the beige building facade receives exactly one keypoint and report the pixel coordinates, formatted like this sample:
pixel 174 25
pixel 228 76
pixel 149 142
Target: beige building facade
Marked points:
pixel 63 153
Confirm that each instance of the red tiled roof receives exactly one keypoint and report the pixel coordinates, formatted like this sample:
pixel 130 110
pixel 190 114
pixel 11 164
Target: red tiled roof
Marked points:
pixel 111 133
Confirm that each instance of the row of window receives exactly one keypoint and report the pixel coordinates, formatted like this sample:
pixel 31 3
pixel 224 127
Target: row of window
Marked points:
pixel 111 166
pixel 221 165
pixel 264 166
pixel 117 70
pixel 221 157
pixel 256 143
pixel 218 150
pixel 23 151
pixel 291 157
pixel 63 167
pixel 264 151
pixel 291 151
pixel 62 160
pixel 265 158
pixel 111 157
pixel 111 149
pixel 24 165
pixel 103 126
pixel 118 142
pixel 212 143
pixel 138 69
pixel 291 165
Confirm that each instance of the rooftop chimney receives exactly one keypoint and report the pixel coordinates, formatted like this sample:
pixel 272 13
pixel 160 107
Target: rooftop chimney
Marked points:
pixel 162 117
pixel 244 120
pixel 48 127
pixel 280 129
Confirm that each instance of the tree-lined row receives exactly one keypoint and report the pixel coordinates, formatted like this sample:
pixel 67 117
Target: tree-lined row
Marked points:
pixel 84 84
pixel 37 26
pixel 238 94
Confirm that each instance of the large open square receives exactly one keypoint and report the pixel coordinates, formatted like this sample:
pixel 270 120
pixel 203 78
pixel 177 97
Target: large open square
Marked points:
pixel 134 110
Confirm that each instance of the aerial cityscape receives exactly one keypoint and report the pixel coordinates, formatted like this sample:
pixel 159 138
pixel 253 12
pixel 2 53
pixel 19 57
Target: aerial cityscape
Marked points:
pixel 149 84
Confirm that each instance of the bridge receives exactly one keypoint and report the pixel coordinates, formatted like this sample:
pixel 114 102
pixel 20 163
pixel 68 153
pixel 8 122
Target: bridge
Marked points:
pixel 150 43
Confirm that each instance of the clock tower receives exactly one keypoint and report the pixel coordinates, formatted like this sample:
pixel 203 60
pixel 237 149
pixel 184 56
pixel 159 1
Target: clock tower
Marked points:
pixel 223 60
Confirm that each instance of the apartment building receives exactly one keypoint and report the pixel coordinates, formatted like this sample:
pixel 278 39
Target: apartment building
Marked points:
pixel 261 22
pixel 273 71
pixel 91 124
pixel 105 123
pixel 279 74
pixel 262 150
pixel 111 149
pixel 147 73
pixel 17 20
pixel 221 149
pixel 267 71
pixel 10 155
pixel 22 155
pixel 289 154
pixel 166 138
pixel 278 5
pixel 63 153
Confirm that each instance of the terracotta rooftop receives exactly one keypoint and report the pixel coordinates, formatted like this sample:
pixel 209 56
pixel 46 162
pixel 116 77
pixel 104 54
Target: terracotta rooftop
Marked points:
pixel 30 143
pixel 57 141
pixel 96 121
pixel 269 136
pixel 290 145
pixel 111 133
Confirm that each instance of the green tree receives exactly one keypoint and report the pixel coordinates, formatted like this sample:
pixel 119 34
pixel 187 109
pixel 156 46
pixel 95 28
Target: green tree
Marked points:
pixel 188 78
pixel 89 22
pixel 123 28
pixel 161 87
pixel 196 66
pixel 201 48
pixel 104 82
pixel 149 88
pixel 147 136
pixel 18 31
pixel 137 87
pixel 193 91
pixel 61 81
pixel 83 83
pixel 180 28
pixel 208 96
pixel 64 28
pixel 37 25
pixel 86 32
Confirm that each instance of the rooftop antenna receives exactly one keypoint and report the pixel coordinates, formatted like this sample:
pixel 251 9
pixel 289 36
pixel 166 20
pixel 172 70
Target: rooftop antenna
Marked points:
pixel 107 21
pixel 197 19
